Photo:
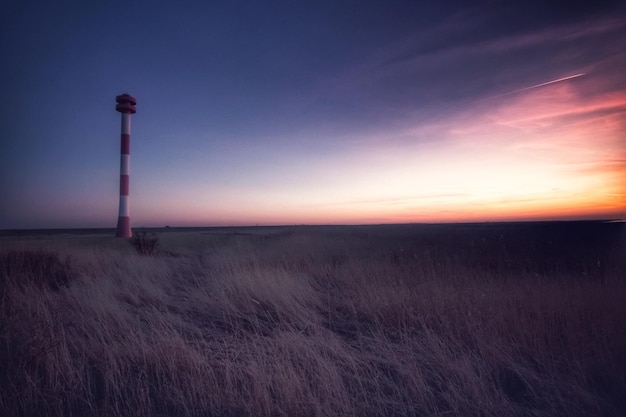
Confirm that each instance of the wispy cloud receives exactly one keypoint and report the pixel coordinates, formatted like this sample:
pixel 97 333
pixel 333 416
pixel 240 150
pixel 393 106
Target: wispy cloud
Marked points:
pixel 547 108
pixel 450 64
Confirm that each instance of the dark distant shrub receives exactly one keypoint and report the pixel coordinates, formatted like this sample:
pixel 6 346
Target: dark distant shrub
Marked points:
pixel 145 243
pixel 41 268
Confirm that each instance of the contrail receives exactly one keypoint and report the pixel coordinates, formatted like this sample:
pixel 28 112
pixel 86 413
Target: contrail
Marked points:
pixel 558 80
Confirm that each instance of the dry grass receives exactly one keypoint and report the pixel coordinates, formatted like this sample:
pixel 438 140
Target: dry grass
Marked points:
pixel 313 322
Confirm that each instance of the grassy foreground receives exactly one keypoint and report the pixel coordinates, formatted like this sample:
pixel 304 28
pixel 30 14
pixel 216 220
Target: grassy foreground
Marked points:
pixel 483 320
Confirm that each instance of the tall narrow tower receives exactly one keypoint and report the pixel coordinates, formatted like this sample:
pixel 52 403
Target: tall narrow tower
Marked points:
pixel 125 105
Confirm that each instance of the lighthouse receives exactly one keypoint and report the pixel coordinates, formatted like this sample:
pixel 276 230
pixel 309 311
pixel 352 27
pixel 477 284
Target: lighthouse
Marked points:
pixel 125 105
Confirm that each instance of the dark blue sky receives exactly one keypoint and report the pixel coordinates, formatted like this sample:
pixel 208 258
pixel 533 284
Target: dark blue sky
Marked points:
pixel 312 112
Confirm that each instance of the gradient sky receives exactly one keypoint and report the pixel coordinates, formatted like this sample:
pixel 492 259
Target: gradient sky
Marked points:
pixel 320 112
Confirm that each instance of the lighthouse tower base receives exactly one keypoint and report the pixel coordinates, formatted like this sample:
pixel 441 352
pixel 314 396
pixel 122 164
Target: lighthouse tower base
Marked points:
pixel 123 227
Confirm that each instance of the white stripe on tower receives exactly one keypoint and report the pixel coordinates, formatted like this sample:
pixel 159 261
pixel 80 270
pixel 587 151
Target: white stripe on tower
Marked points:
pixel 126 106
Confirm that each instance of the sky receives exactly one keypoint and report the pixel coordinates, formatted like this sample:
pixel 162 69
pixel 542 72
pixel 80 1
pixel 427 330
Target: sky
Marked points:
pixel 313 112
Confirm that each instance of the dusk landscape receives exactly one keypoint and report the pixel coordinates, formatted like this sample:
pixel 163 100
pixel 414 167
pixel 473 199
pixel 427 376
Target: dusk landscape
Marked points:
pixel 323 209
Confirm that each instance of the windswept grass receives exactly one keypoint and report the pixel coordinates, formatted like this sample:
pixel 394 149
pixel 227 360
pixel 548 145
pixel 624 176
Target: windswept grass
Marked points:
pixel 387 321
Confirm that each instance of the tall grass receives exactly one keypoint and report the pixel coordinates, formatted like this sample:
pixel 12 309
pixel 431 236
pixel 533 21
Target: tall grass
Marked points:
pixel 308 322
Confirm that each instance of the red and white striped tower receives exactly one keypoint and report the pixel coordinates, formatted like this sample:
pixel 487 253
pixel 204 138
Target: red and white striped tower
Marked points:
pixel 125 105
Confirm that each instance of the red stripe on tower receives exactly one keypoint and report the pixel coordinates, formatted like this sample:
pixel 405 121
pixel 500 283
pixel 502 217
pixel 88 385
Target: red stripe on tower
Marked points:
pixel 124 185
pixel 125 105
pixel 126 143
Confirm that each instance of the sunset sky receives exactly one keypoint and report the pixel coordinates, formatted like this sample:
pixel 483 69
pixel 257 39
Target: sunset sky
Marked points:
pixel 319 112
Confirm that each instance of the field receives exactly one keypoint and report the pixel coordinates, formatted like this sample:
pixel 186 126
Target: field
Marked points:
pixel 520 319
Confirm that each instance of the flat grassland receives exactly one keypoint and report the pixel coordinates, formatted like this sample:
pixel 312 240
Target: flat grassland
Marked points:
pixel 520 319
